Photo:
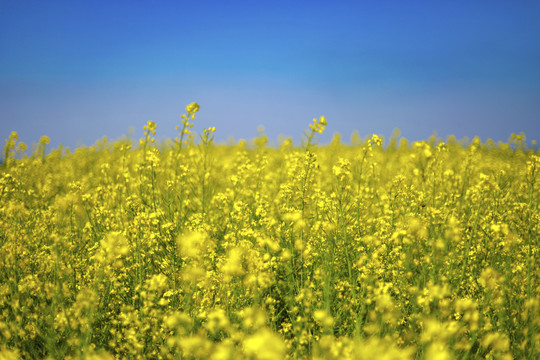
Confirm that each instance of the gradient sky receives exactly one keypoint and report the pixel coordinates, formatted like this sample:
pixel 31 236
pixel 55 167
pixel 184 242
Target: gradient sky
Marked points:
pixel 79 70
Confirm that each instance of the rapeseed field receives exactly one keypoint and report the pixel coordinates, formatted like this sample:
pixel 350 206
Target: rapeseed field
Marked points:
pixel 189 249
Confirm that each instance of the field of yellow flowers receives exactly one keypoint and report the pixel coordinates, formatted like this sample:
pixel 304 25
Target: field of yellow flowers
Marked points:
pixel 194 250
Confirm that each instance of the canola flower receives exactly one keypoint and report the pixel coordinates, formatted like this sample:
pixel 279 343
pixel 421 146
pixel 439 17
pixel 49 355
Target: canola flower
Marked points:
pixel 196 250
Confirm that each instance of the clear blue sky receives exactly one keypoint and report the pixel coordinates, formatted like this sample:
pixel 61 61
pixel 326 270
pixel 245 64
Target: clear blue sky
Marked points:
pixel 79 70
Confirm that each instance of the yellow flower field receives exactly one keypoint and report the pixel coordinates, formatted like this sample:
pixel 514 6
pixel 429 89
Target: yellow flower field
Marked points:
pixel 194 250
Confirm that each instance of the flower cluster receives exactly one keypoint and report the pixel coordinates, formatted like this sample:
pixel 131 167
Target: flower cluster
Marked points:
pixel 318 125
pixel 186 125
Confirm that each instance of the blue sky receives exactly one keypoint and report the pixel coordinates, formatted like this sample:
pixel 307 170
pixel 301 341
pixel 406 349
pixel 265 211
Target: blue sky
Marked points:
pixel 79 70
